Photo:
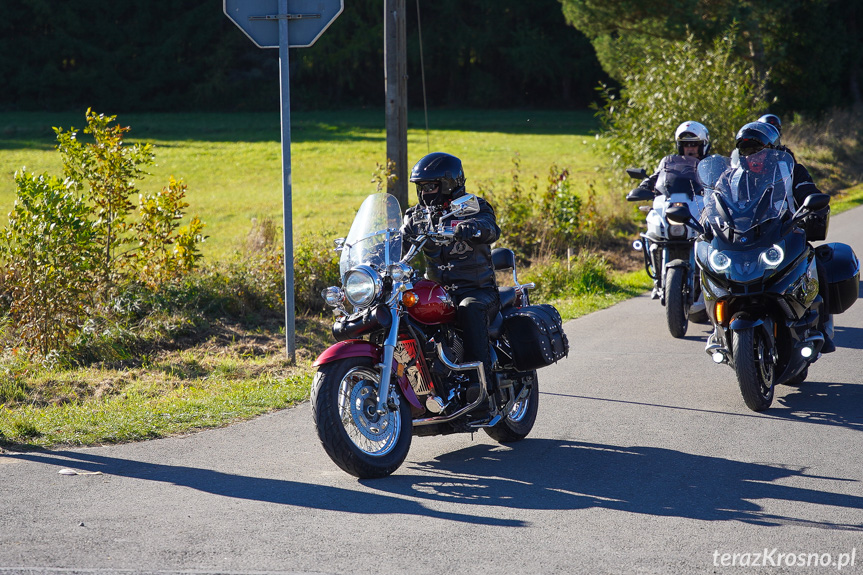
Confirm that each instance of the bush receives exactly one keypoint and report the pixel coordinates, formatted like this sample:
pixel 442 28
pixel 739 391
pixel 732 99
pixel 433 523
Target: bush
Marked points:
pixel 586 273
pixel 687 81
pixel 538 221
pixel 71 245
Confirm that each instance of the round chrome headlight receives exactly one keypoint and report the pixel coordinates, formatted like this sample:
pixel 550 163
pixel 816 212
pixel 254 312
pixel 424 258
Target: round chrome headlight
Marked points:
pixel 334 296
pixel 719 261
pixel 362 286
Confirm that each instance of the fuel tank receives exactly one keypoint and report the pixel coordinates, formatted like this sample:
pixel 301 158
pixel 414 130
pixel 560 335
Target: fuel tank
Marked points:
pixel 434 304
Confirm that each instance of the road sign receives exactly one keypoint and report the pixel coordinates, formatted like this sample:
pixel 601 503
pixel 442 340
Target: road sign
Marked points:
pixel 307 20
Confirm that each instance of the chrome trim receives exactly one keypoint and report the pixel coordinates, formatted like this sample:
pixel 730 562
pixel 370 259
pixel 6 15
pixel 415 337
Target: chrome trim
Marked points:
pixel 483 396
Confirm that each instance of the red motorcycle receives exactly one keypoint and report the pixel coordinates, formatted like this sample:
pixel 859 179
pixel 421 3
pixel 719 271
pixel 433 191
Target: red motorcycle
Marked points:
pixel 398 368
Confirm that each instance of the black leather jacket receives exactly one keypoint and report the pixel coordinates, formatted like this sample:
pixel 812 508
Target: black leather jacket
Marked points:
pixel 462 264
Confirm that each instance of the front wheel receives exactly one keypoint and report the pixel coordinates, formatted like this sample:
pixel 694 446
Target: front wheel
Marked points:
pixel 357 439
pixel 676 306
pixel 755 368
pixel 516 424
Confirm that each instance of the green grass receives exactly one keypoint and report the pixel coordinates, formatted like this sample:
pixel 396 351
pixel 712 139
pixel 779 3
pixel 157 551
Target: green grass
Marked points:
pixel 232 162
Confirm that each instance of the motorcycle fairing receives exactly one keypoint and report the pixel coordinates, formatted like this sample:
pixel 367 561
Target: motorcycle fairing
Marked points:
pixel 362 348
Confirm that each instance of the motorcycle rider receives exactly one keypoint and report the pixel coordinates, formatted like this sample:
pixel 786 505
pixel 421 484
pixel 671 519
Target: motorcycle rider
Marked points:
pixel 693 144
pixel 464 267
pixel 763 134
pixel 692 140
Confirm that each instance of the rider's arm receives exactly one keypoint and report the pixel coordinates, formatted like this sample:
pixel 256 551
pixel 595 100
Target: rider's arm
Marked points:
pixel 802 184
pixel 486 223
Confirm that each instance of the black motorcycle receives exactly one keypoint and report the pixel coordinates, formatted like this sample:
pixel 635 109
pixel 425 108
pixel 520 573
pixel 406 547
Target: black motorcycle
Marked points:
pixel 759 274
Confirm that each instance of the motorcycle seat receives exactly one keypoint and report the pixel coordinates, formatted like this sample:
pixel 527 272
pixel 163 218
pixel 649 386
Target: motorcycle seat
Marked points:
pixel 507 296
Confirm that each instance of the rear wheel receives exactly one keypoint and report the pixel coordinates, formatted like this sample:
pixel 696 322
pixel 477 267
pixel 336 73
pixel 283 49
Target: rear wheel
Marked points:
pixel 516 424
pixel 755 368
pixel 354 435
pixel 676 307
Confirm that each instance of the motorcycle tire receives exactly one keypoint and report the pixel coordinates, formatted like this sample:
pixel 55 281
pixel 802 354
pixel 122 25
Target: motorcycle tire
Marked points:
pixel 755 375
pixel 676 308
pixel 518 423
pixel 362 443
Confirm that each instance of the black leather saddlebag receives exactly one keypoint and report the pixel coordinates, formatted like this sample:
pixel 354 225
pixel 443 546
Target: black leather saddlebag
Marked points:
pixel 842 269
pixel 536 335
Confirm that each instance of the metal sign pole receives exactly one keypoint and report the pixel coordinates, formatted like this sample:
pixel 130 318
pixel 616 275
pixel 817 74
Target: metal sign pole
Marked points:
pixel 285 97
pixel 311 18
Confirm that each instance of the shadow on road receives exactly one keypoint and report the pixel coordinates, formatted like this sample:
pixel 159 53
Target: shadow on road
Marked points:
pixel 278 491
pixel 533 474
pixel 850 337
pixel 839 404
pixel 569 475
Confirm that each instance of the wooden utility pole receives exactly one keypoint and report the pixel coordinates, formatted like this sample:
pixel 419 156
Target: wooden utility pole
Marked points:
pixel 396 80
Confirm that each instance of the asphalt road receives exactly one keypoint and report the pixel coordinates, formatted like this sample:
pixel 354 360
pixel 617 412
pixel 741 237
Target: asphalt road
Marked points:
pixel 644 459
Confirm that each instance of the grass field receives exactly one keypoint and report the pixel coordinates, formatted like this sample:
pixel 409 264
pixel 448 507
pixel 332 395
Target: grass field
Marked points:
pixel 232 162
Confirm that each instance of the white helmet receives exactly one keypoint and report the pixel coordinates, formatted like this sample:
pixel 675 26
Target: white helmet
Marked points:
pixel 692 132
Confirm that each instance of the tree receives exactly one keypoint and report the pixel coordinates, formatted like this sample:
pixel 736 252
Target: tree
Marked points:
pixel 813 47
pixel 687 81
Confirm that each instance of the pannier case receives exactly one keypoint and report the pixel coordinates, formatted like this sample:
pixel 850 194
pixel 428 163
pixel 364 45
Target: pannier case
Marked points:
pixel 535 334
pixel 842 269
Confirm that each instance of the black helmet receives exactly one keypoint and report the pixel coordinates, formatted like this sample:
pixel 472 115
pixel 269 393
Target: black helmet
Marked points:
pixel 439 169
pixel 773 120
pixel 755 136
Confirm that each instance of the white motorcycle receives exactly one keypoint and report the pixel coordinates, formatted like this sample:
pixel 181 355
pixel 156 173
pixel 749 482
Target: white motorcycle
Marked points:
pixel 668 247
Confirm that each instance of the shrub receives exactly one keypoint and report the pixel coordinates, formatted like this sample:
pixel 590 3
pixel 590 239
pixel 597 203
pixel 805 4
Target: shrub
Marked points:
pixel 70 245
pixel 586 273
pixel 537 220
pixel 48 252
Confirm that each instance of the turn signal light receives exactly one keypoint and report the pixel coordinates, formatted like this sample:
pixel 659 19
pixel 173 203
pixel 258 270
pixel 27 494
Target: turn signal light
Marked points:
pixel 410 298
pixel 719 311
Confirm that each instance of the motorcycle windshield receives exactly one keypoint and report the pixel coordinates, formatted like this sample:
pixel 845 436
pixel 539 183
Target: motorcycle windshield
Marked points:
pixel 374 239
pixel 711 168
pixel 678 176
pixel 750 191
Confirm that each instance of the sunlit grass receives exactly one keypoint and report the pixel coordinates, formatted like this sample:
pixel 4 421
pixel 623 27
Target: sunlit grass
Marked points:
pixel 232 162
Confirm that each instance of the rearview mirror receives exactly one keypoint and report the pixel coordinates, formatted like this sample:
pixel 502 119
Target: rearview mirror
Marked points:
pixel 466 205
pixel 815 202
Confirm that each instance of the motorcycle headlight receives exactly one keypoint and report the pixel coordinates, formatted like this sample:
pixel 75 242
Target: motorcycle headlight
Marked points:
pixel 362 286
pixel 676 231
pixel 719 261
pixel 400 272
pixel 334 296
pixel 773 256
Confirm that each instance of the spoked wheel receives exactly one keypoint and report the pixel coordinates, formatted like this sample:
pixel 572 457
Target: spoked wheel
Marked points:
pixel 755 368
pixel 354 435
pixel 516 424
pixel 676 307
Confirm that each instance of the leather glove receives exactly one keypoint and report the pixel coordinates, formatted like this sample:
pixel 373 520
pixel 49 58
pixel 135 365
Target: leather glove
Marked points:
pixel 466 230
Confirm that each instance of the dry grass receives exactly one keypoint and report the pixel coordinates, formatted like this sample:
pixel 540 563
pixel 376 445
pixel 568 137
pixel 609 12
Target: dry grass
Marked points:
pixel 830 147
